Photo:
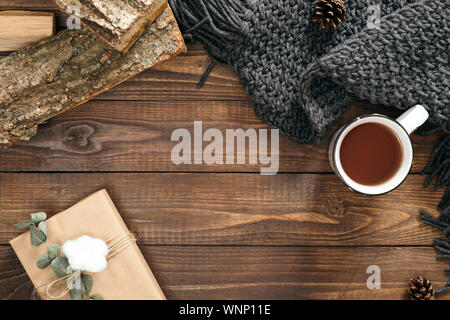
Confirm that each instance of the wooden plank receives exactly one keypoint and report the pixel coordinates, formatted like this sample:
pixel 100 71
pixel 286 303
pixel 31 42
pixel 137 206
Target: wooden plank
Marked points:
pixel 31 4
pixel 21 28
pixel 233 209
pixel 136 136
pixel 36 5
pixel 177 79
pixel 267 272
pixel 195 209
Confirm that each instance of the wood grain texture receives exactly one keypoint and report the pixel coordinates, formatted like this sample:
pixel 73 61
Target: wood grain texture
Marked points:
pixel 21 28
pixel 266 272
pixel 209 235
pixel 177 79
pixel 238 209
pixel 36 5
pixel 136 136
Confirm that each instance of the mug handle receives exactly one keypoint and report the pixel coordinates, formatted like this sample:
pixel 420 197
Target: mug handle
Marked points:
pixel 413 118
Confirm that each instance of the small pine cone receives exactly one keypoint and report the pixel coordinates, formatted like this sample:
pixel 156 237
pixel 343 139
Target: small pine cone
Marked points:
pixel 420 289
pixel 329 13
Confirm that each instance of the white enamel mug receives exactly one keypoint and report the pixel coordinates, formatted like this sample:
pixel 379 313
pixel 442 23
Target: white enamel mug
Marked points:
pixel 402 127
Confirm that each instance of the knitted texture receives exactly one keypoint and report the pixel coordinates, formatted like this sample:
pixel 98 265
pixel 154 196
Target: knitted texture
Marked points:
pixel 301 79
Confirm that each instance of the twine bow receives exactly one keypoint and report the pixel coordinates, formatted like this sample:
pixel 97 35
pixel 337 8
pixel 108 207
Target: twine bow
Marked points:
pixel 59 287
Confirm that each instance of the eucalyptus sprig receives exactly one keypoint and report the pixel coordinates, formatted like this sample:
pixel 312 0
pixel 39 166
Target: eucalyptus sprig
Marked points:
pixel 79 284
pixel 37 226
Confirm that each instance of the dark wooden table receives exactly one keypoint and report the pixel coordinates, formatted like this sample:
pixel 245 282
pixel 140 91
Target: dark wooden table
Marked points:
pixel 217 232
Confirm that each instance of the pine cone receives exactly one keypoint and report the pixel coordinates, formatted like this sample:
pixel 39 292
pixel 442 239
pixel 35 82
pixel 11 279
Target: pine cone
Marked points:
pixel 420 289
pixel 329 13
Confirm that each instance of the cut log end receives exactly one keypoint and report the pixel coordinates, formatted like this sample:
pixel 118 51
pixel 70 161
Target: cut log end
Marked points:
pixel 21 28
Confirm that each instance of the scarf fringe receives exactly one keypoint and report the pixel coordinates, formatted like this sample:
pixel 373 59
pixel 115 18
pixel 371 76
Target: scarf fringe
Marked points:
pixel 218 24
pixel 439 166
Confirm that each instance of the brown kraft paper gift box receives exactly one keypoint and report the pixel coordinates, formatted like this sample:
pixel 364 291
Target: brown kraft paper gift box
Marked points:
pixel 127 276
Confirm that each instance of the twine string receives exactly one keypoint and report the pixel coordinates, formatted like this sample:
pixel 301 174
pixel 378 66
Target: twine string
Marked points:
pixel 57 288
pixel 116 246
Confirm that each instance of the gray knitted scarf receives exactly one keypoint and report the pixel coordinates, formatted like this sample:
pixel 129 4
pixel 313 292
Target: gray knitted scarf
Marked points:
pixel 301 79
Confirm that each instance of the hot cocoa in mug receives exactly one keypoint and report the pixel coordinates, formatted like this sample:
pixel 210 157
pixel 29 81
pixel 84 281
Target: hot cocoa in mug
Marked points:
pixel 373 154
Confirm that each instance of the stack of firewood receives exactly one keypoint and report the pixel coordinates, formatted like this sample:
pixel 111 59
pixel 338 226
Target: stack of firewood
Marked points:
pixel 116 41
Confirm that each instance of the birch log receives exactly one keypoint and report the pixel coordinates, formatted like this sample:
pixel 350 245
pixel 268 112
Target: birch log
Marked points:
pixel 69 69
pixel 118 23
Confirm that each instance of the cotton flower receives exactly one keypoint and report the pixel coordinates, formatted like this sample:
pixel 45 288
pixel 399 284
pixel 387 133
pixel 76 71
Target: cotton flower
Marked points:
pixel 86 254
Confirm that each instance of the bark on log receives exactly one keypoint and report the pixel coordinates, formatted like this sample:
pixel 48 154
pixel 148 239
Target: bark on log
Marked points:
pixel 119 23
pixel 69 69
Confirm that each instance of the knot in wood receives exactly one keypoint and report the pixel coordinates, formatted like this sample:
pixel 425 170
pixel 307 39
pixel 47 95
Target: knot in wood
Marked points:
pixel 78 135
pixel 334 206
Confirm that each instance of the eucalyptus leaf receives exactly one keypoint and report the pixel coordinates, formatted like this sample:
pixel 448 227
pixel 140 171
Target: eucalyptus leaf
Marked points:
pixel 23 224
pixel 78 283
pixel 87 283
pixel 75 294
pixel 59 265
pixel 44 261
pixel 38 217
pixel 37 237
pixel 95 297
pixel 74 281
pixel 43 227
pixel 53 250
